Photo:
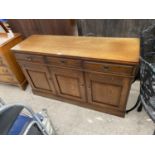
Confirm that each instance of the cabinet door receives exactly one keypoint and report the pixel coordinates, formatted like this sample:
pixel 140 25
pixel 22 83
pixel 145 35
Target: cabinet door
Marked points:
pixel 107 91
pixel 38 77
pixel 69 83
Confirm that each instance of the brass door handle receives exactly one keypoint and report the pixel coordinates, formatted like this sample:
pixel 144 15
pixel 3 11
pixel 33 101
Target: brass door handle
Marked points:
pixel 50 78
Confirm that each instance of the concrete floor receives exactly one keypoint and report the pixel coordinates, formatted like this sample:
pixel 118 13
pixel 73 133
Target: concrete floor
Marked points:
pixel 72 119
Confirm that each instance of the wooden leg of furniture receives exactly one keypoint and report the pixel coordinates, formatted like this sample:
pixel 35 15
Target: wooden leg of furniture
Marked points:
pixel 23 85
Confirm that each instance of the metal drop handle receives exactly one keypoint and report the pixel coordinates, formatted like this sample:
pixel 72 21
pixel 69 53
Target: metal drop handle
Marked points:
pixel 63 61
pixel 29 58
pixel 106 68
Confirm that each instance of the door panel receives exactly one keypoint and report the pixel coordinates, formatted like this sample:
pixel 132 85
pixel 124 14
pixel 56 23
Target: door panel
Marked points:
pixel 39 78
pixel 69 83
pixel 63 82
pixel 105 91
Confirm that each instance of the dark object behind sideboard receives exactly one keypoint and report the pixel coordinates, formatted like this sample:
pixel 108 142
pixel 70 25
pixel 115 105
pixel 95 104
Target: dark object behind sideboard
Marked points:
pixel 28 27
pixel 113 27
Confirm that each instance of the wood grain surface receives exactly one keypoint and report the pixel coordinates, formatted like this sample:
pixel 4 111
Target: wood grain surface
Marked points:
pixel 115 49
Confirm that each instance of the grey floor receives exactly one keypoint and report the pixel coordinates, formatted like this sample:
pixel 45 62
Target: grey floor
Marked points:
pixel 72 119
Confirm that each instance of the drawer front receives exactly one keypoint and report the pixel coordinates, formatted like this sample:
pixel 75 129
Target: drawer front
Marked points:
pixel 30 57
pixel 109 68
pixel 4 70
pixel 7 78
pixel 66 62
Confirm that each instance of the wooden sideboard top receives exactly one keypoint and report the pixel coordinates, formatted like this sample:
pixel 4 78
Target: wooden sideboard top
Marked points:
pixel 6 37
pixel 103 48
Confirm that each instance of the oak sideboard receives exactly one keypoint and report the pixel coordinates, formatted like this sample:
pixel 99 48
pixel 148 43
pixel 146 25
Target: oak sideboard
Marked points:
pixel 10 71
pixel 93 72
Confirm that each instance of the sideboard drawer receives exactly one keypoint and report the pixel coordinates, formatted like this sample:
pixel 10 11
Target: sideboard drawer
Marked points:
pixel 29 57
pixel 67 62
pixel 109 68
pixel 7 78
pixel 4 70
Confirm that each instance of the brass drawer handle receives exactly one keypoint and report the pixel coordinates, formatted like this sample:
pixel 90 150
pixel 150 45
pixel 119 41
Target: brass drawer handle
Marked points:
pixel 5 70
pixel 63 61
pixel 29 58
pixel 106 68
